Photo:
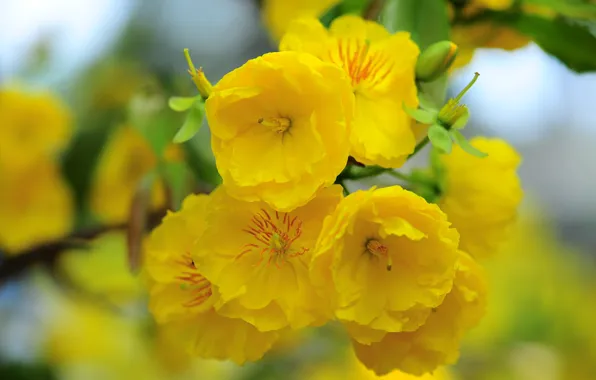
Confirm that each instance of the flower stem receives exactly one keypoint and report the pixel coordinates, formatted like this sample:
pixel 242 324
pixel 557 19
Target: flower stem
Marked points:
pixel 419 147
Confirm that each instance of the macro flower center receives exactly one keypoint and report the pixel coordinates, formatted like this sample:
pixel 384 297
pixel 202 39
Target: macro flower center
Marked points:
pixel 193 282
pixel 277 124
pixel 360 63
pixel 377 249
pixel 274 236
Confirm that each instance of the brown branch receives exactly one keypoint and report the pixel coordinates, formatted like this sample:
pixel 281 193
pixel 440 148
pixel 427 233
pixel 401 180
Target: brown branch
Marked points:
pixel 373 10
pixel 46 254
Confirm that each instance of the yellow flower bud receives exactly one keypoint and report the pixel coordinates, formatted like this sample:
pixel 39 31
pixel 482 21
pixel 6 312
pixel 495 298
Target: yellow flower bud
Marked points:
pixel 435 60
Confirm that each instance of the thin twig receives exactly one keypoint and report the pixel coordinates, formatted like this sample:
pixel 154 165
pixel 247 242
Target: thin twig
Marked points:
pixel 46 254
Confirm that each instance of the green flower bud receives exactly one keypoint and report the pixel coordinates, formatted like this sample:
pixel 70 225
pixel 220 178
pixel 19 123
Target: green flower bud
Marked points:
pixel 454 114
pixel 435 60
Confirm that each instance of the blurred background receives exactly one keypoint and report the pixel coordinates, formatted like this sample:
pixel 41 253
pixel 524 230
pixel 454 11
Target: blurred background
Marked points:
pixel 114 63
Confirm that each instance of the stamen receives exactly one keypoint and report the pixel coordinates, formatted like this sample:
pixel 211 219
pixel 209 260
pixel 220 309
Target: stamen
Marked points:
pixel 378 249
pixel 360 63
pixel 278 124
pixel 274 237
pixel 199 287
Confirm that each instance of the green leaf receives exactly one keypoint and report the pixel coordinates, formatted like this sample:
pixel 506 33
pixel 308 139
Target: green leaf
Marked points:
pixel 177 175
pixel 181 104
pixel 570 42
pixel 353 6
pixel 463 120
pixel 159 131
pixel 330 15
pixel 440 138
pixel 574 9
pixel 192 124
pixel 426 20
pixel 465 144
pixel 420 115
pixel 200 160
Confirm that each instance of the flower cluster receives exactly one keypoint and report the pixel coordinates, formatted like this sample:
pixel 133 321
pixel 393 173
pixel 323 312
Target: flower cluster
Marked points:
pixel 35 201
pixel 279 247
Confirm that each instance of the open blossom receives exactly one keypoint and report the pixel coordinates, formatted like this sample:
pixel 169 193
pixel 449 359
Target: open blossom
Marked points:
pixel 35 206
pixel 481 195
pixel 278 14
pixel 436 342
pixel 32 126
pixel 280 127
pixel 258 258
pixel 381 67
pixel 387 258
pixel 183 299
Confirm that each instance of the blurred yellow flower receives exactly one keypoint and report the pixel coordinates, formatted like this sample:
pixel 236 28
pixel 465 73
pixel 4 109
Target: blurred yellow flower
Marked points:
pixel 350 368
pixel 534 282
pixel 258 258
pixel 36 206
pixel 484 35
pixel 33 126
pixel 126 159
pixel 280 127
pixel 495 5
pixel 436 343
pixel 183 299
pixel 381 67
pixel 278 14
pixel 84 340
pixel 481 195
pixel 102 269
pixel 389 257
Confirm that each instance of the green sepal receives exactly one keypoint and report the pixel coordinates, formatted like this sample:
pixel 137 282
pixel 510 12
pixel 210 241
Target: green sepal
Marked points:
pixel 420 115
pixel 192 124
pixel 462 120
pixel 460 140
pixel 426 102
pixel 180 103
pixel 440 138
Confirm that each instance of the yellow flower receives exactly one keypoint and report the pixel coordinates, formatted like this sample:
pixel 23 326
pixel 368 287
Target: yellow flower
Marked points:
pixel 437 342
pixel 495 5
pixel 36 206
pixel 278 14
pixel 126 159
pixel 102 269
pixel 527 306
pixel 484 35
pixel 183 299
pixel 350 368
pixel 280 127
pixel 86 333
pixel 32 127
pixel 390 257
pixel 381 67
pixel 481 195
pixel 258 258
